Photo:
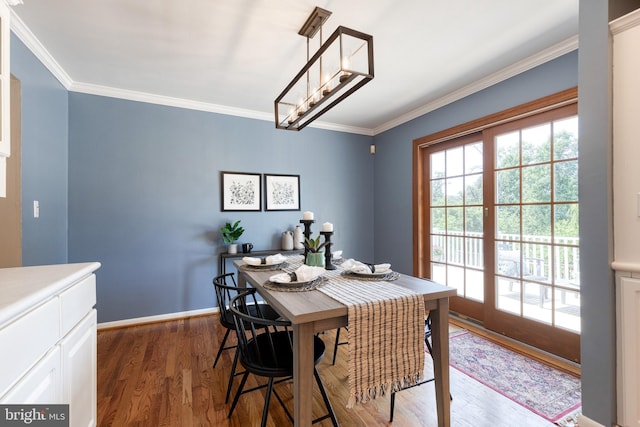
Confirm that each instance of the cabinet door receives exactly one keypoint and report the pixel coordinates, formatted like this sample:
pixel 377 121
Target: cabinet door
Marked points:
pixel 40 385
pixel 79 372
pixel 5 80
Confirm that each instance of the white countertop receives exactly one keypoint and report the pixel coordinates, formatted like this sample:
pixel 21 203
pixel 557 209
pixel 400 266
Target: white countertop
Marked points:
pixel 22 288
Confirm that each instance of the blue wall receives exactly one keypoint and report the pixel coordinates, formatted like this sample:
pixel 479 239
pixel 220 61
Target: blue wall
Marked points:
pixel 144 196
pixel 44 158
pixel 394 167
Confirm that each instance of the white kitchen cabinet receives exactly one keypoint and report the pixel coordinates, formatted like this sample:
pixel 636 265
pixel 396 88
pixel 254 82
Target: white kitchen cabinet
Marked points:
pixel 41 384
pixel 79 366
pixel 626 212
pixel 48 342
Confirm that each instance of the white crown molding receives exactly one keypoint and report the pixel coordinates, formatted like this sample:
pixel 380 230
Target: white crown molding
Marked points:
pixel 526 64
pixel 625 22
pixel 131 95
pixel 29 39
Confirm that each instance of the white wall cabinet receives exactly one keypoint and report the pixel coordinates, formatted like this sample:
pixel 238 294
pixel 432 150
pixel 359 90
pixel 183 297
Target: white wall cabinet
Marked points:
pixel 626 212
pixel 48 342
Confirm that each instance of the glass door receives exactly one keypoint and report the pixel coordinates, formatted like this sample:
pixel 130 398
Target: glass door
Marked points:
pixel 534 245
pixel 502 215
pixel 456 230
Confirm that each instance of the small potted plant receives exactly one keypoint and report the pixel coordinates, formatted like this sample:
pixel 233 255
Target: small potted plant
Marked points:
pixel 231 234
pixel 314 255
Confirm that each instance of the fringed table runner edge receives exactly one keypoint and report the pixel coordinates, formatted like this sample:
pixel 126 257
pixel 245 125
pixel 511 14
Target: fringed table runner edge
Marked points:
pixel 386 336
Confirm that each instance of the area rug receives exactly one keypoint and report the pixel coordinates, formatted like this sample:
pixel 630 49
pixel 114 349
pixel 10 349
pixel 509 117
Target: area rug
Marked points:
pixel 548 392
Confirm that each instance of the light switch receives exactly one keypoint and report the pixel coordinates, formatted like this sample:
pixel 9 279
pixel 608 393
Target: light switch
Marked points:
pixel 36 209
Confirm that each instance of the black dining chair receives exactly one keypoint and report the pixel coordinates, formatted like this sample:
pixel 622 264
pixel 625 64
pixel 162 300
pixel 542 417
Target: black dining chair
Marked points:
pixel 427 341
pixel 337 343
pixel 266 350
pixel 226 288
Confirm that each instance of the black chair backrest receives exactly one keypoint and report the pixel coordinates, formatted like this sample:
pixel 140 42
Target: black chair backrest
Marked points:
pixel 262 340
pixel 226 288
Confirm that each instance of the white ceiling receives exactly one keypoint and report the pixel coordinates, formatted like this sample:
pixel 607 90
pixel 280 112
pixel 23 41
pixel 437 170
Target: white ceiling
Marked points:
pixel 236 56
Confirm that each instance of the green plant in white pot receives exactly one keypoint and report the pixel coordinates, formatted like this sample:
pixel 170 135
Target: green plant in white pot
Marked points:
pixel 230 235
pixel 314 255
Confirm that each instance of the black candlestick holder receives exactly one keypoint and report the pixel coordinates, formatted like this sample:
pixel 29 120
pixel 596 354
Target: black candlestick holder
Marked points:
pixel 307 233
pixel 328 265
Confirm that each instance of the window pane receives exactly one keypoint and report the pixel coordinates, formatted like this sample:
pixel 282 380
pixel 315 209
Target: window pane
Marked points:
pixel 567 309
pixel 437 166
pixel 438 248
pixel 536 222
pixel 473 160
pixel 437 192
pixel 475 256
pixel 455 250
pixel 508 295
pixel 508 150
pixel 455 278
pixel 455 220
pixel 454 191
pixel 536 144
pixel 473 189
pixel 439 273
pixel 567 266
pixel 508 260
pixel 455 162
pixel 508 186
pixel 536 184
pixel 475 285
pixel 565 138
pixel 536 259
pixel 565 183
pixel 473 221
pixel 537 302
pixel 508 222
pixel 565 223
pixel 438 217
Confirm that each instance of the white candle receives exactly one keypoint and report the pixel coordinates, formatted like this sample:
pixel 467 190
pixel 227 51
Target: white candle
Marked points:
pixel 307 215
pixel 327 226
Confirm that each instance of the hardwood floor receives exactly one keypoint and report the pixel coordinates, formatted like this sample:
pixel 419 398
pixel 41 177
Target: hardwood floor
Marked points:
pixel 161 374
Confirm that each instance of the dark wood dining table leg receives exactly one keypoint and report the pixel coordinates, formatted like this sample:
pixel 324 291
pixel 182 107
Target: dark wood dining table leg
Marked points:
pixel 440 337
pixel 302 374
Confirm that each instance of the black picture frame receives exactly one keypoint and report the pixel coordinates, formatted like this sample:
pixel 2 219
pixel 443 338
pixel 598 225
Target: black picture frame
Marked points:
pixel 240 191
pixel 282 192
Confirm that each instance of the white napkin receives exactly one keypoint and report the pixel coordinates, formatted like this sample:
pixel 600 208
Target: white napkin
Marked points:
pixel 336 254
pixel 362 268
pixel 270 260
pixel 304 273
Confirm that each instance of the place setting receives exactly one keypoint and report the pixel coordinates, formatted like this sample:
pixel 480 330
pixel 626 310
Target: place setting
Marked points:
pixel 363 271
pixel 267 263
pixel 303 278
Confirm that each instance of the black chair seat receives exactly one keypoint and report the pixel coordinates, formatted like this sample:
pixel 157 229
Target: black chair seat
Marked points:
pixel 260 361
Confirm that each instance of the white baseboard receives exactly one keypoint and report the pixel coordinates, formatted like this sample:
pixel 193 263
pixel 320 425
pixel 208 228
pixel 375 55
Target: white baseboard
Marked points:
pixel 158 318
pixel 587 422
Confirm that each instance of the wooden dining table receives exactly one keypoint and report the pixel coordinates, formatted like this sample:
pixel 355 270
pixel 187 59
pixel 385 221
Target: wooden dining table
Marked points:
pixel 312 311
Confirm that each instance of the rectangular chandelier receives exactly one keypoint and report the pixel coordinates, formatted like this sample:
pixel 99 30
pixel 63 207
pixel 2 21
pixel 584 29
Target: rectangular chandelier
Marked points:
pixel 342 65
